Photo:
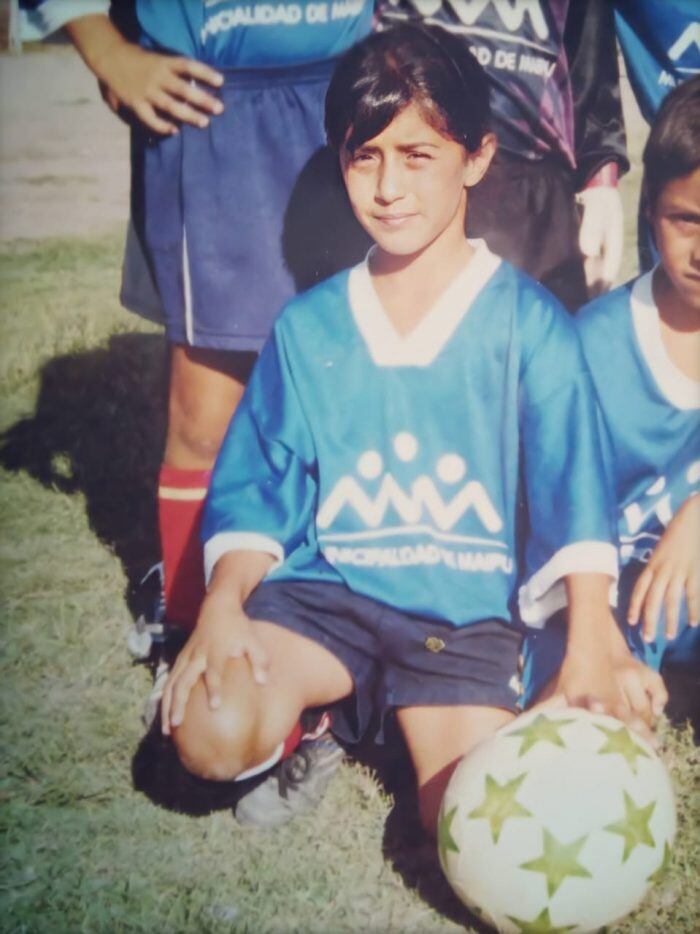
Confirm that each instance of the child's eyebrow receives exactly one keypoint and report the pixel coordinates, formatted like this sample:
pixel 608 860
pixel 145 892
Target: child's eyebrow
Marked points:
pixel 402 147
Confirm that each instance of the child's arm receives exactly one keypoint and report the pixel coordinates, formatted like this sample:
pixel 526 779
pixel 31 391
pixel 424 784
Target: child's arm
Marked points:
pixel 223 631
pixel 159 89
pixel 672 572
pixel 599 671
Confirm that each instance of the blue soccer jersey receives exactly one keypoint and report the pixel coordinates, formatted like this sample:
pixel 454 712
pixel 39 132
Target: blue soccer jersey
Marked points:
pixel 651 413
pixel 399 466
pixel 651 418
pixel 240 34
pixel 225 33
pixel 660 41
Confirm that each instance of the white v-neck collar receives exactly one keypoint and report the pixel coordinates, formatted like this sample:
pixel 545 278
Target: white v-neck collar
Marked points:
pixel 679 389
pixel 420 346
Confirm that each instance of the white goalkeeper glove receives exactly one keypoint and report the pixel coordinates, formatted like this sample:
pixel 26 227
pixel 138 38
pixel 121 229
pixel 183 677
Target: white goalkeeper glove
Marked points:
pixel 601 235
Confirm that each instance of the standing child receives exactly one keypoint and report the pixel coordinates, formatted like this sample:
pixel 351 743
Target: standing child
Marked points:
pixel 362 527
pixel 642 343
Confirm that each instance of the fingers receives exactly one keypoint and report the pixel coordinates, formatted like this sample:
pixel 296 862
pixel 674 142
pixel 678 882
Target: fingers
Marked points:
pixel 652 606
pixel 167 104
pixel 637 697
pixel 656 689
pixel 639 593
pixel 186 671
pixel 198 71
pixel 212 683
pixel 194 96
pixel 259 662
pixel 148 116
pixel 672 606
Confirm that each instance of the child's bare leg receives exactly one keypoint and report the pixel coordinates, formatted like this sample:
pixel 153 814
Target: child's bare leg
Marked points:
pixel 254 719
pixel 437 738
pixel 205 389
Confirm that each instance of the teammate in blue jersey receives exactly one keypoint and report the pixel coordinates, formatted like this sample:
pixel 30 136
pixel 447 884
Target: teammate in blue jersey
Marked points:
pixel 642 343
pixel 230 104
pixel 363 536
pixel 235 205
pixel 550 203
pixel 660 41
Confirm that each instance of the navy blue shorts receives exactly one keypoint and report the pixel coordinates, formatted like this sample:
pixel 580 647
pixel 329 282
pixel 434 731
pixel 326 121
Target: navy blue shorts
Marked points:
pixel 239 216
pixel 395 659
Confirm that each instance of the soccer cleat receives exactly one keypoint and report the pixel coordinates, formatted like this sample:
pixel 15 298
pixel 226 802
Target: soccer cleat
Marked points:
pixel 150 625
pixel 152 702
pixel 295 786
pixel 153 639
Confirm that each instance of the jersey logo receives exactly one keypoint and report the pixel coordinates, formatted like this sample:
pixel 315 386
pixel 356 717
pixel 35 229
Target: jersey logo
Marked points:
pixel 421 502
pixel 512 13
pixel 689 37
pixel 647 518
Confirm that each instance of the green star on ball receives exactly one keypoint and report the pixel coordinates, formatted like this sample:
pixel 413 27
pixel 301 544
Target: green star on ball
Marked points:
pixel 499 804
pixel 634 829
pixel 558 862
pixel 541 925
pixel 663 868
pixel 541 730
pixel 445 839
pixel 622 742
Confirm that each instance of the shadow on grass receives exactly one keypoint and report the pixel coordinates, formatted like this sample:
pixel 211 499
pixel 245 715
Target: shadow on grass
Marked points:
pixel 98 429
pixel 406 846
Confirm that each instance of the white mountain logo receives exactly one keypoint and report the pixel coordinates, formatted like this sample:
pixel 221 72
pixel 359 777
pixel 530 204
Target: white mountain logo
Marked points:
pixel 422 502
pixel 690 36
pixel 512 13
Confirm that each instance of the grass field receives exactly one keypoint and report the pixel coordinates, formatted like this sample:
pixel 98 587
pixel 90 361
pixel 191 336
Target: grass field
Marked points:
pixel 92 836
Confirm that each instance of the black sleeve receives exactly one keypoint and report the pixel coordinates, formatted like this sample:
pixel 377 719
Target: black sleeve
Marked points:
pixel 123 15
pixel 589 38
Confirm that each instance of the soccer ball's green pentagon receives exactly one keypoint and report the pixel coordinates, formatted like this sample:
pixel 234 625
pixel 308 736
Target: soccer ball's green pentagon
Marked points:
pixel 566 837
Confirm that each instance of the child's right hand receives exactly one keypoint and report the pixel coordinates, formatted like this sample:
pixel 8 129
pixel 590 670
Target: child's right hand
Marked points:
pixel 158 87
pixel 673 572
pixel 223 632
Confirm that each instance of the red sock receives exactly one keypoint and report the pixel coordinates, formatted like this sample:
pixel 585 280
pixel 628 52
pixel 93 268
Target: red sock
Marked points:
pixel 181 496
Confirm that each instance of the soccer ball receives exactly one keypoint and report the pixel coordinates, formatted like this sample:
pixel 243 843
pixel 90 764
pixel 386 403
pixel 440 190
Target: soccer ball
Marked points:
pixel 559 822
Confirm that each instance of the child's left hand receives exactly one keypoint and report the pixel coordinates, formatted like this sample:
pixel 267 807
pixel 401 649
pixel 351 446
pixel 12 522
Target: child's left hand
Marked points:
pixel 672 572
pixel 611 681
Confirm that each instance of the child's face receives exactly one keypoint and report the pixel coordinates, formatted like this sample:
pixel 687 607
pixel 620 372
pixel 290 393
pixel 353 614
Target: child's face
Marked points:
pixel 407 186
pixel 675 219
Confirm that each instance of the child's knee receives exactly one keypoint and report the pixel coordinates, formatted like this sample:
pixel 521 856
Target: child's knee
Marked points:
pixel 218 744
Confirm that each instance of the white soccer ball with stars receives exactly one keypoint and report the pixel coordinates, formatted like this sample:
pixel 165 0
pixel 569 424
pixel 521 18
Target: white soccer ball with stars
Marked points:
pixel 560 822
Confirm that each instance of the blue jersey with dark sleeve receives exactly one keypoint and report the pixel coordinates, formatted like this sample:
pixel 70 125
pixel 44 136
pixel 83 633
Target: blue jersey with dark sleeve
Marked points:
pixel 651 412
pixel 660 40
pixel 397 465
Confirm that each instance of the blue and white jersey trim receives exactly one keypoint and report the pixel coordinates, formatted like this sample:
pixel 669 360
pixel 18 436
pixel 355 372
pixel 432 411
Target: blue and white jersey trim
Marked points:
pixel 545 592
pixel 224 542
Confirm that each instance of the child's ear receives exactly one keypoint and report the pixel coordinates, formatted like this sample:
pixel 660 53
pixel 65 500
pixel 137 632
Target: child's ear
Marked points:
pixel 477 163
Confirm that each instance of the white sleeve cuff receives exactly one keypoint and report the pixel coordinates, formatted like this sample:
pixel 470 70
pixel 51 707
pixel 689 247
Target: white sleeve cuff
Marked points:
pixel 545 592
pixel 224 542
pixel 52 14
